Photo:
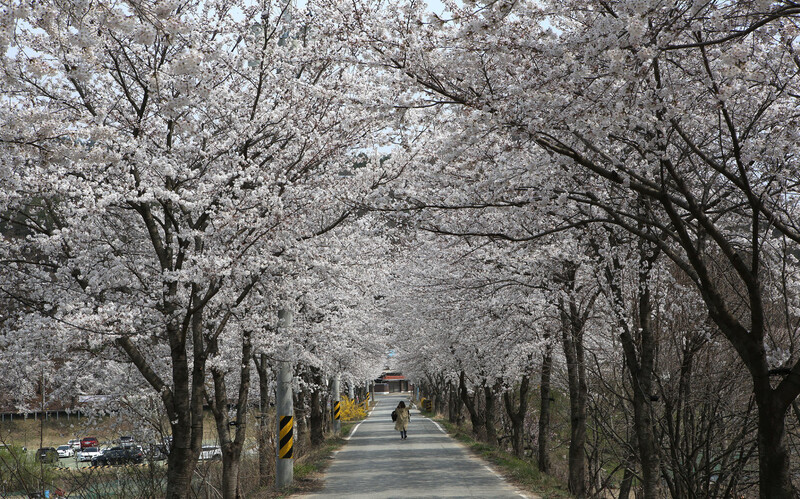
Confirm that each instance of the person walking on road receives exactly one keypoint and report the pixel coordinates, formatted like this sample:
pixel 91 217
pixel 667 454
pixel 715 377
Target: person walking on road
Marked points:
pixel 403 418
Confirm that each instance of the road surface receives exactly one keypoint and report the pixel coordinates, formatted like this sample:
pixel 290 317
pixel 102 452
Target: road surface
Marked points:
pixel 376 463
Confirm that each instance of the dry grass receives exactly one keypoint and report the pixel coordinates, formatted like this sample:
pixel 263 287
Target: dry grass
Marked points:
pixel 53 431
pixel 309 464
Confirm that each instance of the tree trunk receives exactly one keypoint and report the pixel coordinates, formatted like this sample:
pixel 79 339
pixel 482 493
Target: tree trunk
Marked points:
pixel 264 454
pixel 230 478
pixel 478 426
pixel 441 389
pixel 572 337
pixel 456 406
pixel 181 457
pixel 179 475
pixel 186 406
pixel 643 426
pixel 544 409
pixel 437 387
pixel 231 447
pixel 577 443
pixel 489 413
pixel 452 416
pixel 183 400
pixel 639 349
pixel 316 424
pixel 626 483
pixel 517 416
pixel 180 465
pixel 775 476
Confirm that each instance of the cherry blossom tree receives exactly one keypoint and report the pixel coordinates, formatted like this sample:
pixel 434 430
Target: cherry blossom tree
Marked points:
pixel 676 124
pixel 166 160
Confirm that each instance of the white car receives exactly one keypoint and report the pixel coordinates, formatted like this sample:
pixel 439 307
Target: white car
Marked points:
pixel 65 451
pixel 88 453
pixel 75 444
pixel 210 452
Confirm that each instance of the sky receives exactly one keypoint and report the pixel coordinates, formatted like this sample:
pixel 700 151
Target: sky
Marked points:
pixel 435 5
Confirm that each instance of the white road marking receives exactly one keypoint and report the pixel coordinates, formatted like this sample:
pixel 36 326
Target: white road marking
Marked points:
pixel 493 472
pixel 354 431
pixel 359 424
pixel 437 425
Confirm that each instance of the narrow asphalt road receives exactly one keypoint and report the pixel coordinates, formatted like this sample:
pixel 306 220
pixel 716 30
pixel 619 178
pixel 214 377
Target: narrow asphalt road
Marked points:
pixel 376 463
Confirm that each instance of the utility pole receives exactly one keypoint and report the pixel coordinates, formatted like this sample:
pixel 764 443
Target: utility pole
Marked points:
pixel 41 416
pixel 337 409
pixel 285 411
pixel 41 437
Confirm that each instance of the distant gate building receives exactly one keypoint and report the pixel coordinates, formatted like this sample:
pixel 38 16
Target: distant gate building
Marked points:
pixel 392 382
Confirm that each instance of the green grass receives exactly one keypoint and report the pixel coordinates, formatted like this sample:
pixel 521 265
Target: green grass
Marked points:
pixel 303 470
pixel 523 473
pixel 317 459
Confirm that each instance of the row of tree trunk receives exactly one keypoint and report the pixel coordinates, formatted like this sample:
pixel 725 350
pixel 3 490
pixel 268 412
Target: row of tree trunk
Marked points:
pixel 479 398
pixel 312 422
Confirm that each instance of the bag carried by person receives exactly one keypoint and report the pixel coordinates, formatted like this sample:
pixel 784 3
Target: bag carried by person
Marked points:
pixel 394 415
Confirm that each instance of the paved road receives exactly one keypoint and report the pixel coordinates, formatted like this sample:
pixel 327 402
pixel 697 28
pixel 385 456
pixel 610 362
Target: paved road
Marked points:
pixel 376 463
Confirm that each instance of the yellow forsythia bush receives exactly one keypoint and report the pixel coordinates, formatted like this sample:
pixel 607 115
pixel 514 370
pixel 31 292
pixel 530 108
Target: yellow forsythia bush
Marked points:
pixel 351 410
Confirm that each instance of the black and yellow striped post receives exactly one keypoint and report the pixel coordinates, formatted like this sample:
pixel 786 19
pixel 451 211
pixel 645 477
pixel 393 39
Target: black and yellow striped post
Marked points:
pixel 337 407
pixel 284 407
pixel 285 437
pixel 365 403
pixel 284 466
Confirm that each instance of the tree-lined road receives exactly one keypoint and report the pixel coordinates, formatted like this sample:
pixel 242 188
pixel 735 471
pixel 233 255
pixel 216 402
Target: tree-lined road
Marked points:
pixel 586 198
pixel 376 463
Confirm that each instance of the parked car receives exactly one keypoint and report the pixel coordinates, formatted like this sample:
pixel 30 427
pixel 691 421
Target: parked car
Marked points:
pixel 126 441
pixel 119 455
pixel 47 455
pixel 75 444
pixel 211 452
pixel 88 453
pixel 89 442
pixel 65 451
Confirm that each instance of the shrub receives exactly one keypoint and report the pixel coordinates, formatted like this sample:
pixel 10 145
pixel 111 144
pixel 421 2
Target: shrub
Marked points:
pixel 352 411
pixel 20 472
